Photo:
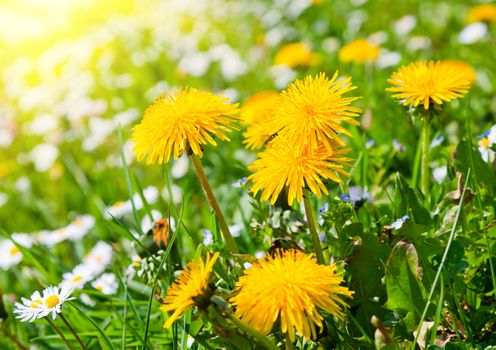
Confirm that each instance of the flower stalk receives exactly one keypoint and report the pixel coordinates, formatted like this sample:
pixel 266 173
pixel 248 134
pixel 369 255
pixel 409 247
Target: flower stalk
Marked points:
pixel 73 332
pixel 59 332
pixel 313 229
pixel 425 140
pixel 231 244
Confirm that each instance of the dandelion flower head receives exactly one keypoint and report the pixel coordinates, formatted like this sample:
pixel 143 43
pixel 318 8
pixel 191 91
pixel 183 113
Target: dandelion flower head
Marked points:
pixel 313 109
pixel 285 164
pixel 296 54
pixel 256 111
pixel 359 51
pixel 463 68
pixel 482 13
pixel 191 283
pixel 291 287
pixel 184 118
pixel 428 83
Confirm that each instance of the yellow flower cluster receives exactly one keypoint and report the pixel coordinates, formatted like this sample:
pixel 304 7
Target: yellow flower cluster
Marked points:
pixel 291 287
pixel 307 146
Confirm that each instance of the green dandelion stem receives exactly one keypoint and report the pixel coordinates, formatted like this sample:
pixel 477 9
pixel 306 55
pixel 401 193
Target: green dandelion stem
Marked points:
pixel 289 343
pixel 231 244
pixel 312 227
pixel 73 332
pixel 262 340
pixel 425 139
pixel 59 332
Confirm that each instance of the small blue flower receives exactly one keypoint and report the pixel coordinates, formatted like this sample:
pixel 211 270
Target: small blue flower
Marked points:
pixel 208 238
pixel 323 238
pixel 369 143
pixel 345 197
pixel 398 147
pixel 485 134
pixel 323 209
pixel 437 141
pixel 399 223
pixel 357 196
pixel 240 183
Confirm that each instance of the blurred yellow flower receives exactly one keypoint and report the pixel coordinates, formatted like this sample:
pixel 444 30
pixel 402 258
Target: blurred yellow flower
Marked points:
pixel 184 118
pixel 462 67
pixel 256 136
pixel 482 13
pixel 285 164
pixel 428 83
pixel 359 51
pixel 290 287
pixel 312 110
pixel 256 111
pixel 191 284
pixel 257 107
pixel 296 54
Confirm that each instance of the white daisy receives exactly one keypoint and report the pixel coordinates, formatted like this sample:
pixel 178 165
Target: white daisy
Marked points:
pixel 98 258
pixel 53 299
pixel 10 254
pixel 106 284
pixel 51 238
pixel 119 209
pixel 39 306
pixel 80 227
pixel 30 309
pixel 24 239
pixel 77 278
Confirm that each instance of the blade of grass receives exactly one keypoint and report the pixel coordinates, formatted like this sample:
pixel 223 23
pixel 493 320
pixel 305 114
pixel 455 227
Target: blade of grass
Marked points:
pixel 120 224
pixel 128 182
pixel 129 300
pixel 93 323
pixel 155 279
pixel 477 196
pixel 443 260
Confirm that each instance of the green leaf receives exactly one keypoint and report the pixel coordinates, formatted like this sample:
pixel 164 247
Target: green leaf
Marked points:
pixel 407 201
pixel 467 156
pixel 366 269
pixel 403 276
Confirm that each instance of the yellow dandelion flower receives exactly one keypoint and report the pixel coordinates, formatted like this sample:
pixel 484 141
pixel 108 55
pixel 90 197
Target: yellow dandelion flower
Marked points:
pixel 257 108
pixel 359 51
pixel 191 284
pixel 463 68
pixel 256 111
pixel 482 13
pixel 291 287
pixel 256 136
pixel 312 110
pixel 296 54
pixel 428 83
pixel 184 118
pixel 284 164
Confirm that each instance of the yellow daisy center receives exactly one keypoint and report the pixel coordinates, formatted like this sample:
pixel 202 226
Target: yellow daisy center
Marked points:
pixel 77 278
pixel 36 303
pixel 13 251
pixel 484 142
pixel 52 301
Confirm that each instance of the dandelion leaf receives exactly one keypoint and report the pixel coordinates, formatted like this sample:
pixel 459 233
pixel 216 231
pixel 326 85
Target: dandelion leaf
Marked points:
pixel 407 201
pixel 403 277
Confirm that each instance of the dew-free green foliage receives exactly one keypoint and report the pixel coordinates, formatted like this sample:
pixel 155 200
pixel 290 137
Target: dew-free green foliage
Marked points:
pixel 406 295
